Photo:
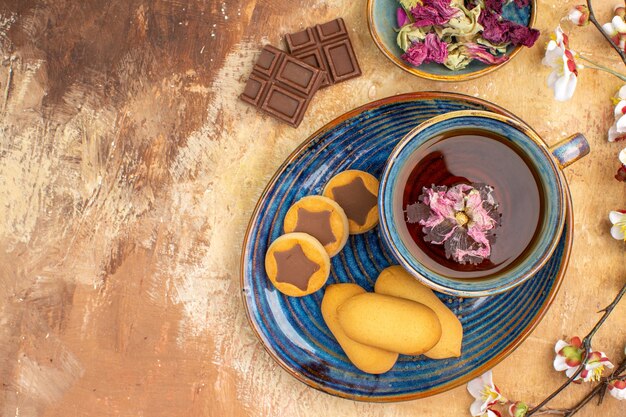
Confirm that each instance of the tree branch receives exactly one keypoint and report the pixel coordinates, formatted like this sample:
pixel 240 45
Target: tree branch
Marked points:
pixel 587 346
pixel 597 389
pixel 592 19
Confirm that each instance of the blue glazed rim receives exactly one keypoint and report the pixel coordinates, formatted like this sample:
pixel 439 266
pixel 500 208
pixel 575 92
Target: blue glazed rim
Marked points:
pixel 545 166
pixel 438 72
pixel 483 347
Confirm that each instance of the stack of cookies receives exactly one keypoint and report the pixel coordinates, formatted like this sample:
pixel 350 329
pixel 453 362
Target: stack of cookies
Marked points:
pixel 317 227
pixel 401 316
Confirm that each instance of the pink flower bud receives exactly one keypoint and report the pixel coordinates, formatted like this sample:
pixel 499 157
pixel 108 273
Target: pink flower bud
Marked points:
pixel 579 15
pixel 518 409
pixel 619 10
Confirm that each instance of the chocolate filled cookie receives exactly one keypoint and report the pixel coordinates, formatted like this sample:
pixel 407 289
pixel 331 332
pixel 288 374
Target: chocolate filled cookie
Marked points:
pixel 297 264
pixel 321 218
pixel 357 194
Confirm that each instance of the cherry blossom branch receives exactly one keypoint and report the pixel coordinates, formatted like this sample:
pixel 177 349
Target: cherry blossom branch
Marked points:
pixel 592 19
pixel 599 390
pixel 555 411
pixel 587 350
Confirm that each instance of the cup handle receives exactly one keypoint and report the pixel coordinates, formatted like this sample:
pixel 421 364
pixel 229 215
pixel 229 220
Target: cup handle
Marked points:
pixel 570 150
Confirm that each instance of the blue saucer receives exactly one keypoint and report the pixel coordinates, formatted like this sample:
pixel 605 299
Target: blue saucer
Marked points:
pixel 292 329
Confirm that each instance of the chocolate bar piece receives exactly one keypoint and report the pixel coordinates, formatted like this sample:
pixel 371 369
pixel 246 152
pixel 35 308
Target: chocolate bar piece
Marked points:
pixel 281 85
pixel 328 47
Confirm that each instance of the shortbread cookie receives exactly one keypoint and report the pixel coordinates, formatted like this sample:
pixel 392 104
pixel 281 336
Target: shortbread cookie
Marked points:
pixel 367 358
pixel 357 194
pixel 297 264
pixel 321 218
pixel 390 323
pixel 396 281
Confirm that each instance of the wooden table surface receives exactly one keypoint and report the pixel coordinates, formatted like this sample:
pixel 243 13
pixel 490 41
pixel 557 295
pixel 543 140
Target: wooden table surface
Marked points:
pixel 129 170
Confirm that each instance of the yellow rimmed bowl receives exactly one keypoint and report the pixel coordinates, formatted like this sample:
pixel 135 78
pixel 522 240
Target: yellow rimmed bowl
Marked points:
pixel 381 19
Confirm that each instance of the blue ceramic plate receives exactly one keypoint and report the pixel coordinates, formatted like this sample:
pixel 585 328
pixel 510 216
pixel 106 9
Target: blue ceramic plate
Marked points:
pixel 381 19
pixel 292 329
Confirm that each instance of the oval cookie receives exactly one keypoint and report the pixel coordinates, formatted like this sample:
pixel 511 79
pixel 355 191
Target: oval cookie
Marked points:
pixel 321 218
pixel 357 194
pixel 390 323
pixel 297 264
pixel 367 358
pixel 397 282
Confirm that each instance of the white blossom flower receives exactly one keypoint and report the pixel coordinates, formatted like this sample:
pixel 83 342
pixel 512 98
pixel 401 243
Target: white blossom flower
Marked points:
pixel 569 359
pixel 568 355
pixel 560 58
pixel 609 29
pixel 618 23
pixel 596 363
pixel 618 220
pixel 486 394
pixel 579 15
pixel 617 388
pixel 616 28
pixel 617 132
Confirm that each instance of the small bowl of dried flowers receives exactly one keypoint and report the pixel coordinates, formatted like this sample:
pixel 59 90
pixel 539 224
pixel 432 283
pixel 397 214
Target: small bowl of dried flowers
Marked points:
pixel 451 40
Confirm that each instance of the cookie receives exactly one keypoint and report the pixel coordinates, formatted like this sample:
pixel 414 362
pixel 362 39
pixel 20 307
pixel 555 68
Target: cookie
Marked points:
pixel 390 323
pixel 357 194
pixel 321 218
pixel 397 282
pixel 367 358
pixel 297 264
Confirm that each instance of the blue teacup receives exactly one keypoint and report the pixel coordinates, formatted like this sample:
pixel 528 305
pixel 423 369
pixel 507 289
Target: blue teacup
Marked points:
pixel 546 165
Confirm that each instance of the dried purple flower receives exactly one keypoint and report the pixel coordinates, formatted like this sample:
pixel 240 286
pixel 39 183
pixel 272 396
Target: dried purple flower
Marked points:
pixel 482 54
pixel 432 49
pixel 437 50
pixel 461 218
pixel 494 6
pixel 433 12
pixel 401 17
pixel 416 54
pixel 499 31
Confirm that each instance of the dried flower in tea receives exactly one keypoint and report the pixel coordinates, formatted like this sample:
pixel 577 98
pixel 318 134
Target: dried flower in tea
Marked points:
pixel 462 218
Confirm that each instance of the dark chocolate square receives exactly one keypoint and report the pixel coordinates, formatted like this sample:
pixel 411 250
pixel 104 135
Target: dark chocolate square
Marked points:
pixel 342 55
pixel 301 40
pixel 327 47
pixel 282 85
pixel 314 58
pixel 297 74
pixel 284 104
pixel 252 93
pixel 331 30
pixel 268 60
